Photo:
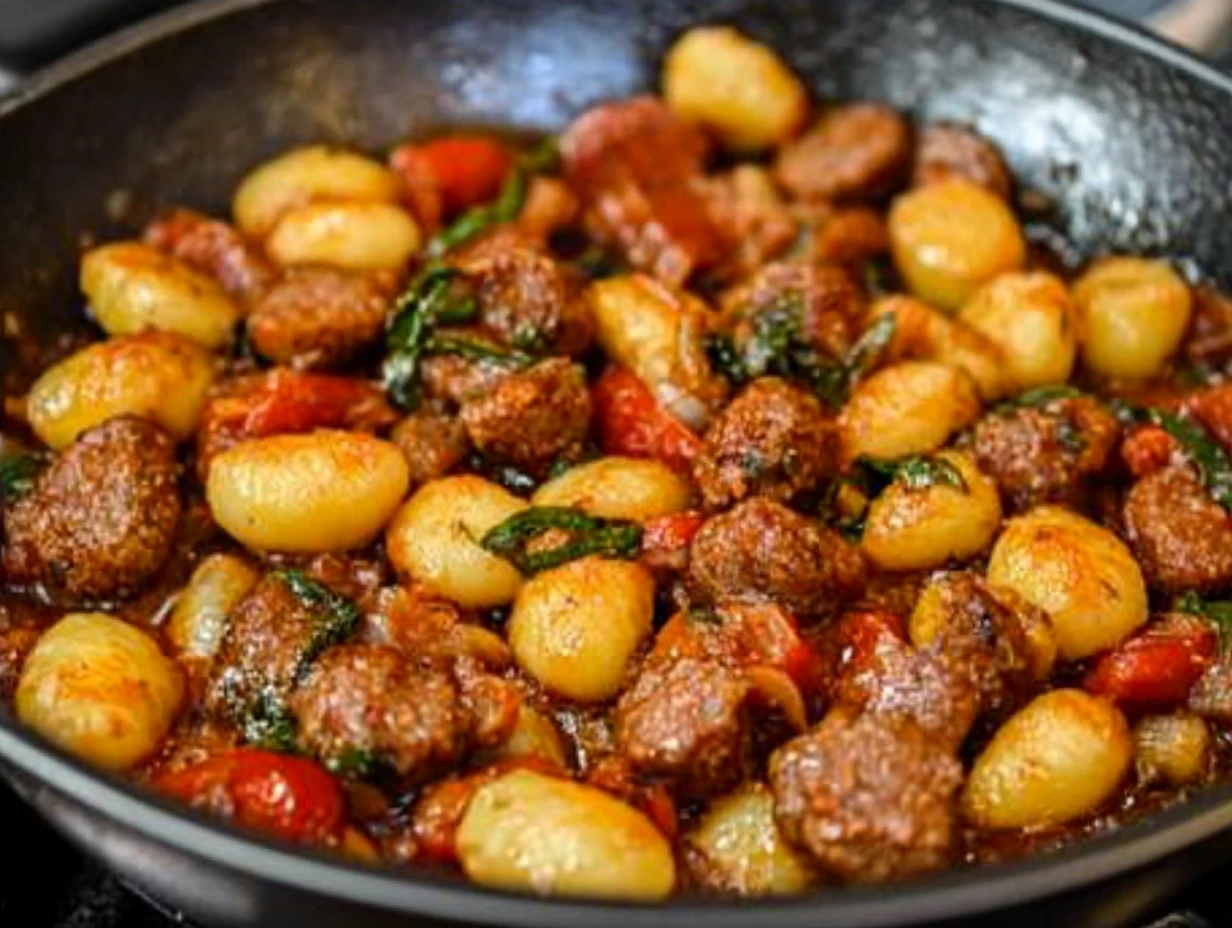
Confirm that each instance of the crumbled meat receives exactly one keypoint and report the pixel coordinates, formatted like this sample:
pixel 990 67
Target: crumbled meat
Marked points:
pixel 433 441
pixel 850 236
pixel 1213 408
pixel 852 152
pixel 317 317
pixel 947 151
pixel 1050 454
pixel 870 798
pixel 216 249
pixel 525 298
pixel 755 224
pixel 763 550
pixel 1210 338
pixel 101 520
pixel 773 440
pixel 369 702
pixel 455 379
pixel 533 418
pixel 1181 537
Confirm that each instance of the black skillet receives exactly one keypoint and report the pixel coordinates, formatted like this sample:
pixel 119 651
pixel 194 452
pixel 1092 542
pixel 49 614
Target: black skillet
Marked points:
pixel 1127 136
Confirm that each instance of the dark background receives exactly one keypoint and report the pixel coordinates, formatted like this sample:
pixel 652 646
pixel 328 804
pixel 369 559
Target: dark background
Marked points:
pixel 43 882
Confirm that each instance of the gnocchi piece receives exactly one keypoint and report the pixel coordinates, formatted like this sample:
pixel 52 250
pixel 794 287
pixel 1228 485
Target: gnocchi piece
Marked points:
pixel 911 407
pixel 157 376
pixel 534 735
pixel 657 333
pixel 535 833
pixel 322 491
pixel 737 88
pixel 1058 758
pixel 199 618
pixel 1133 312
pixel 359 236
pixel 434 539
pixel 308 175
pixel 1171 748
pixel 576 628
pixel 1029 315
pixel 918 529
pixel 926 334
pixel 101 689
pixel 133 287
pixel 741 850
pixel 618 488
pixel 1078 572
pixel 949 239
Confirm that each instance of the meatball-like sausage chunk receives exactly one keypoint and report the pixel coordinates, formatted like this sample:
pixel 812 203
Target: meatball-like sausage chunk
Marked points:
pixel 1048 454
pixel 101 519
pixel 773 440
pixel 214 248
pixel 684 720
pixel 319 318
pixel 852 152
pixel 367 704
pixel 825 304
pixel 946 151
pixel 433 441
pixel 533 418
pixel 272 637
pixel 763 550
pixel 1181 537
pixel 525 298
pixel 870 798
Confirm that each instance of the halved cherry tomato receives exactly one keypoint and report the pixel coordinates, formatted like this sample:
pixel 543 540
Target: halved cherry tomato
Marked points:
pixel 631 421
pixel 666 539
pixel 1157 667
pixel 291 797
pixel 467 169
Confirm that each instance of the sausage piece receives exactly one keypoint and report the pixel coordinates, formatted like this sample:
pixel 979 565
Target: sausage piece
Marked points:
pixel 870 798
pixel 1049 454
pixel 533 418
pixel 525 298
pixel 319 318
pixel 102 518
pixel 763 550
pixel 1180 536
pixel 367 705
pixel 684 720
pixel 772 440
pixel 214 248
pixel 949 151
pixel 852 152
pixel 433 441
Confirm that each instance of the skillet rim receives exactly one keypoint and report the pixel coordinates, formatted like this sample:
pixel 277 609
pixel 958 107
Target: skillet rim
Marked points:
pixel 952 894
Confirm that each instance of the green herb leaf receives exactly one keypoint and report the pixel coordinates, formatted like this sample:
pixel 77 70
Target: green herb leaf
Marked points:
pixel 358 763
pixel 918 473
pixel 18 473
pixel 1212 462
pixel 334 616
pixel 434 297
pixel 475 348
pixel 1042 396
pixel 871 345
pixel 617 538
pixel 268 724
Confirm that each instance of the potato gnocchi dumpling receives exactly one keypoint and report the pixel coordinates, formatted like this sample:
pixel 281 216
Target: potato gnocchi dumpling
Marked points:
pixel 134 288
pixel 359 236
pixel 155 375
pixel 618 488
pixel 101 689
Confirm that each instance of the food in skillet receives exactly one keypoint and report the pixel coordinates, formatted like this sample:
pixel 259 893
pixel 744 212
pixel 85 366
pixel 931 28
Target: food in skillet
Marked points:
pixel 722 496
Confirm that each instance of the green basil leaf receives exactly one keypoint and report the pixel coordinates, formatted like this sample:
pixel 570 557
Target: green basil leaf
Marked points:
pixel 616 538
pixel 18 473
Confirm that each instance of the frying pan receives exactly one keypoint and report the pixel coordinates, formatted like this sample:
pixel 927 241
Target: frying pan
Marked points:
pixel 1127 136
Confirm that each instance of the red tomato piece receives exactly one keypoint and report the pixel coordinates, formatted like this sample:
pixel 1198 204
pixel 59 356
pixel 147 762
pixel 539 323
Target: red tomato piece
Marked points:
pixel 1157 667
pixel 1213 408
pixel 666 539
pixel 291 797
pixel 421 188
pixel 468 169
pixel 631 421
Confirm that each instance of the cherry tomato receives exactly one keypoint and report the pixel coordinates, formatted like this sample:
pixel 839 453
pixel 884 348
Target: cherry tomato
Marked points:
pixel 1157 667
pixel 631 421
pixel 291 797
pixel 467 170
